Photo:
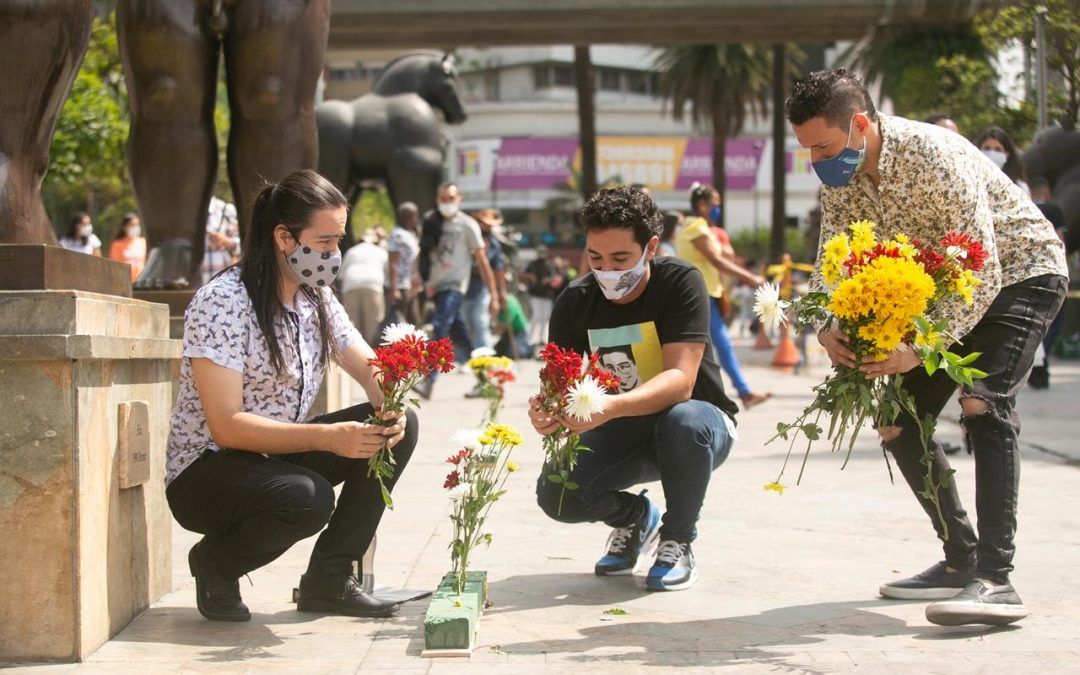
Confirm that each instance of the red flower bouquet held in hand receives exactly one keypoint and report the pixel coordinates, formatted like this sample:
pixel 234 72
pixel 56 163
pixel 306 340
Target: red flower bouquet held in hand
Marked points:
pixel 570 386
pixel 405 358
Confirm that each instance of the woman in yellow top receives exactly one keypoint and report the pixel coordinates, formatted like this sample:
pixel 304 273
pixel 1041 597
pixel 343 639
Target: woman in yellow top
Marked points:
pixel 129 246
pixel 697 245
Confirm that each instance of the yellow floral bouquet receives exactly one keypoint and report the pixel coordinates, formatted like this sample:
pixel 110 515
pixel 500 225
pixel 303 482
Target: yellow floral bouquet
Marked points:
pixel 493 373
pixel 879 294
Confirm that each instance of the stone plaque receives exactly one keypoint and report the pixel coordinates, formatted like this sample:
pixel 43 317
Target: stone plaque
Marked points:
pixel 134 441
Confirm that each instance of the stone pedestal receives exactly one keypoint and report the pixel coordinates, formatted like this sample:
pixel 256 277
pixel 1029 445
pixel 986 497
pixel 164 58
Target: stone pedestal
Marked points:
pixel 80 555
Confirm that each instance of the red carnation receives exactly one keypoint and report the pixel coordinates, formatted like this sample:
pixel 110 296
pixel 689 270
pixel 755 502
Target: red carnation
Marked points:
pixel 452 480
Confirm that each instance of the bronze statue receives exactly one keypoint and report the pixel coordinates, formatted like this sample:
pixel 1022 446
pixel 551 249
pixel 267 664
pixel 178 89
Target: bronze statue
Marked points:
pixel 42 43
pixel 1055 155
pixel 274 51
pixel 392 133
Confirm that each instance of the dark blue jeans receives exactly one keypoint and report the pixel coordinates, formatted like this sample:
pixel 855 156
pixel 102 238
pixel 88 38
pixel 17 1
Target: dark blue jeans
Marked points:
pixel 448 321
pixel 680 446
pixel 1007 337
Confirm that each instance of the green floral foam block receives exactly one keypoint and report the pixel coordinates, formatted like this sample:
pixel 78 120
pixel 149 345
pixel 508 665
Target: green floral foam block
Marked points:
pixel 451 621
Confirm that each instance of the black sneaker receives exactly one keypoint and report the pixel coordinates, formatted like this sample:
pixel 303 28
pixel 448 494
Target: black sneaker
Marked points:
pixel 978 603
pixel 936 583
pixel 217 598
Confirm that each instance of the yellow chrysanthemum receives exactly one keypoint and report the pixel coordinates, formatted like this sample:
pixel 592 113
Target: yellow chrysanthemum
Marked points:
pixel 482 364
pixel 933 340
pixel 964 285
pixel 512 467
pixel 862 237
pixel 502 433
pixel 833 254
pixel 775 487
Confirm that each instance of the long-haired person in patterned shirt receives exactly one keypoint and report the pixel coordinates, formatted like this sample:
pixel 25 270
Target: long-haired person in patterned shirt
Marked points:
pixel 924 181
pixel 246 467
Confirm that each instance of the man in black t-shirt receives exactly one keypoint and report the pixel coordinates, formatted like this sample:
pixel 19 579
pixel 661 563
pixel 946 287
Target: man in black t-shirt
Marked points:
pixel 648 318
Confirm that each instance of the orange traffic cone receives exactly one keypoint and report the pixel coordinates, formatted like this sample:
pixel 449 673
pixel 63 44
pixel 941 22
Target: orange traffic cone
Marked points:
pixel 787 354
pixel 762 342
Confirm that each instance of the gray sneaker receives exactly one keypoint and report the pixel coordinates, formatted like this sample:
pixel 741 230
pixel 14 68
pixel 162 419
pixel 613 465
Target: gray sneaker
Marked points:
pixel 936 583
pixel 978 603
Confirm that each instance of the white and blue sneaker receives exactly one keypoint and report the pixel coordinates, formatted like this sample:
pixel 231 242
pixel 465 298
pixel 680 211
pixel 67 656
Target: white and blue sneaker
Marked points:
pixel 674 569
pixel 627 544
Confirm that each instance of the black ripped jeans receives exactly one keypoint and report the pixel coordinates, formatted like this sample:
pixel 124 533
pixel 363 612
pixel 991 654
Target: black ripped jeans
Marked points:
pixel 1007 337
pixel 252 508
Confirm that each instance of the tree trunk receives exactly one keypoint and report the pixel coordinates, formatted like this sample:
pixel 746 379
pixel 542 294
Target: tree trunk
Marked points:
pixel 586 96
pixel 779 212
pixel 719 152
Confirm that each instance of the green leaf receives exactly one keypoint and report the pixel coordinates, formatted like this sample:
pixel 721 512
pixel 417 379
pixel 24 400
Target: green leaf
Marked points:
pixel 969 359
pixel 615 611
pixel 931 364
pixel 555 478
pixel 571 485
pixel 386 497
pixel 811 431
pixel 976 374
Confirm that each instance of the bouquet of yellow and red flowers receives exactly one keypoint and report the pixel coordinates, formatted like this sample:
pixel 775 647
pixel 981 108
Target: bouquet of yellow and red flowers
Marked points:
pixel 405 358
pixel 493 374
pixel 481 466
pixel 880 294
pixel 570 385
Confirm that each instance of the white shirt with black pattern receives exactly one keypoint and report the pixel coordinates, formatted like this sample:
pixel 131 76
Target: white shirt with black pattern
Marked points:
pixel 220 325
pixel 932 181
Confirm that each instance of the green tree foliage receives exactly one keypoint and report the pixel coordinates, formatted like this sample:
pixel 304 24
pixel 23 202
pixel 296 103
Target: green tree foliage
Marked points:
pixel 373 209
pixel 86 160
pixel 1017 22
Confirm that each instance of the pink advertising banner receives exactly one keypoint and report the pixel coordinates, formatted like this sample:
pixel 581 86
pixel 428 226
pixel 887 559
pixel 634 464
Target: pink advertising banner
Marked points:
pixel 662 163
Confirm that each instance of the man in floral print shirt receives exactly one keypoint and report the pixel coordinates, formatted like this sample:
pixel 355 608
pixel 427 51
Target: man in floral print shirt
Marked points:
pixel 924 181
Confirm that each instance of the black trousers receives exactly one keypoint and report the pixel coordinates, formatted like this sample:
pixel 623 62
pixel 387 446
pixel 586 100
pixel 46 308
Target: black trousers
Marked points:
pixel 252 508
pixel 1007 337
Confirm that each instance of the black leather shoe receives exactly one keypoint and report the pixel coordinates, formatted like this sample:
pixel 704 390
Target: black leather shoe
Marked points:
pixel 217 598
pixel 340 594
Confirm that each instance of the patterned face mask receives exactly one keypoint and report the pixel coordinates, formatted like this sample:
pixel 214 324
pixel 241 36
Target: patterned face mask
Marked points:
pixel 313 268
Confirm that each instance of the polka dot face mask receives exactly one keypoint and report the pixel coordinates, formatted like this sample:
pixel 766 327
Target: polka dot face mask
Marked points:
pixel 314 268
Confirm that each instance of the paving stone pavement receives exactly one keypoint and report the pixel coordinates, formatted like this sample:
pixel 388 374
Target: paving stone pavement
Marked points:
pixel 787 583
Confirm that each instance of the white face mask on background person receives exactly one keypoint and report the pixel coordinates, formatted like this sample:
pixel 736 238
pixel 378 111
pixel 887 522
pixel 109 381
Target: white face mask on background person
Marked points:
pixel 996 156
pixel 84 230
pixel 617 284
pixel 134 231
pixel 449 209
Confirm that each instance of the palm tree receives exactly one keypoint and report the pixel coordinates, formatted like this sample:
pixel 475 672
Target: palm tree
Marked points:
pixel 723 86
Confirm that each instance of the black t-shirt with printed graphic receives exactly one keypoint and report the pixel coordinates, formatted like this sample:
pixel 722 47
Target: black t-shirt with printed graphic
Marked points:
pixel 673 308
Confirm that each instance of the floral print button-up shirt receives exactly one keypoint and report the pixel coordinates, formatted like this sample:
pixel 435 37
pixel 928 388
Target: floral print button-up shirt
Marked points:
pixel 220 325
pixel 933 180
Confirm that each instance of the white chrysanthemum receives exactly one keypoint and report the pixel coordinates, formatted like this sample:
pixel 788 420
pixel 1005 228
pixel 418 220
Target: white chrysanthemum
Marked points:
pixel 399 331
pixel 769 306
pixel 585 399
pixel 459 491
pixel 467 438
pixel 481 351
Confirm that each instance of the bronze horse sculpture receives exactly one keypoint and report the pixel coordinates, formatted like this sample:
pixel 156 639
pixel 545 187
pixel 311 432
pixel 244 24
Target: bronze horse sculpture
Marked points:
pixel 392 133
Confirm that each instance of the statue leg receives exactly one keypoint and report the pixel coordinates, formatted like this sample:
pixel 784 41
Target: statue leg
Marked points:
pixel 274 56
pixel 414 175
pixel 170 64
pixel 41 46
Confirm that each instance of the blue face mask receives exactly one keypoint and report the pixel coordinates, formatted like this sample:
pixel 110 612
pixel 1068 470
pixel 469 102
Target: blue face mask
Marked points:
pixel 838 171
pixel 714 214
